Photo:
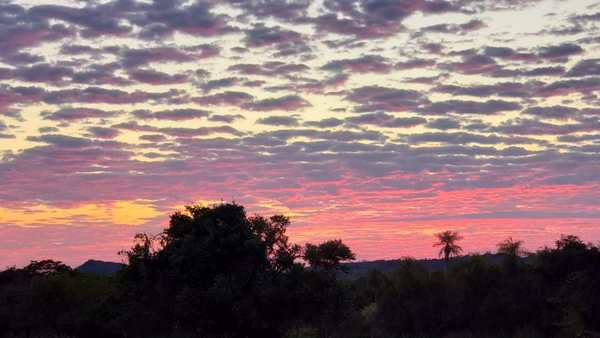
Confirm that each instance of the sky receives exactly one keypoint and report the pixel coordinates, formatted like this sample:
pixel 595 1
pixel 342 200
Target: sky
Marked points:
pixel 379 122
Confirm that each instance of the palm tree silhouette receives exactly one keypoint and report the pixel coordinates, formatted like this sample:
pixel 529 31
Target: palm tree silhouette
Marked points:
pixel 447 240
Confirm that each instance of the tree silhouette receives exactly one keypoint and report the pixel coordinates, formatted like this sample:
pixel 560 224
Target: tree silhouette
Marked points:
pixel 447 241
pixel 570 242
pixel 46 267
pixel 217 272
pixel 511 248
pixel 327 255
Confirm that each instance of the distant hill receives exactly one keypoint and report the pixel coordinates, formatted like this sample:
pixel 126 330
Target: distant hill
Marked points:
pixel 359 269
pixel 355 269
pixel 100 267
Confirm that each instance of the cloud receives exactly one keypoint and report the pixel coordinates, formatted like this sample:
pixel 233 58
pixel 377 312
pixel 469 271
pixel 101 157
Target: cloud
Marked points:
pixel 553 112
pixel 160 19
pixel 20 30
pixel 261 36
pixel 100 75
pixel 443 124
pixel 566 87
pixel 283 10
pixel 103 133
pixel 588 67
pixel 73 114
pixel 288 121
pixel 522 126
pixel 325 123
pixel 503 89
pixel 470 107
pixel 227 118
pixel 315 86
pixel 414 64
pixel 43 73
pixel 474 64
pixel 177 131
pixel 231 98
pixel 132 58
pixel 386 120
pixel 61 141
pixel 537 71
pixel 507 53
pixel 11 96
pixel 153 137
pixel 3 129
pixel 171 115
pixel 464 138
pixel 560 52
pixel 373 98
pixel 103 95
pixel 95 20
pixel 289 102
pixel 463 28
pixel 374 19
pixel 274 68
pixel 219 83
pixel 286 42
pixel 363 64
pixel 153 77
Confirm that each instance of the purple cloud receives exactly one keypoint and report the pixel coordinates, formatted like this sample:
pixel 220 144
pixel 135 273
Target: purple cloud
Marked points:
pixel 289 102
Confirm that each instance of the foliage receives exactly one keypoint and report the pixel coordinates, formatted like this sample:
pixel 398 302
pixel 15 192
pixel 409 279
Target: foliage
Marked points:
pixel 214 271
pixel 327 255
pixel 511 247
pixel 447 241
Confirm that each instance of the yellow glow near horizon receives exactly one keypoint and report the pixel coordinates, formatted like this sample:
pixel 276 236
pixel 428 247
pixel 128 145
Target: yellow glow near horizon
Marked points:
pixel 133 212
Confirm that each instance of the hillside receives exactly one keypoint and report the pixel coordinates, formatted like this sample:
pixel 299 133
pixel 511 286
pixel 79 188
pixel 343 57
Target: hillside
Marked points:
pixel 354 270
pixel 359 269
pixel 100 267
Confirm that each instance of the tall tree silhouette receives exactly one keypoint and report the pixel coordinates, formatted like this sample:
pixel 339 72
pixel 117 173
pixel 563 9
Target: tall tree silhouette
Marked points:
pixel 512 250
pixel 217 272
pixel 511 247
pixel 447 241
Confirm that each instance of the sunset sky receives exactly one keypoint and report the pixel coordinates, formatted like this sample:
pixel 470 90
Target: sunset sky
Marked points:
pixel 379 122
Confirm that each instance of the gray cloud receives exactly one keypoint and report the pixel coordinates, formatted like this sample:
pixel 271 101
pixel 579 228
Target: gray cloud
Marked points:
pixel 73 114
pixel 588 67
pixel 386 120
pixel 289 102
pixel 279 121
pixel 172 115
pixel 363 64
pixel 373 98
pixel 103 133
pixel 443 124
pixel 470 107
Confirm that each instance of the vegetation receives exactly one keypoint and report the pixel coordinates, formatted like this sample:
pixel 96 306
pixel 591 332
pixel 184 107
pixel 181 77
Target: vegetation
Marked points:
pixel 215 272
pixel 447 241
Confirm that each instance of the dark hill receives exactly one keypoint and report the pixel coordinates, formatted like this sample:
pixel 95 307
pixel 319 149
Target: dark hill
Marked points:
pixel 355 270
pixel 100 267
pixel 359 269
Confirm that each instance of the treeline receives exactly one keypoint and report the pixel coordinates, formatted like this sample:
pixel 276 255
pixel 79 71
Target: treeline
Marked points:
pixel 216 272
